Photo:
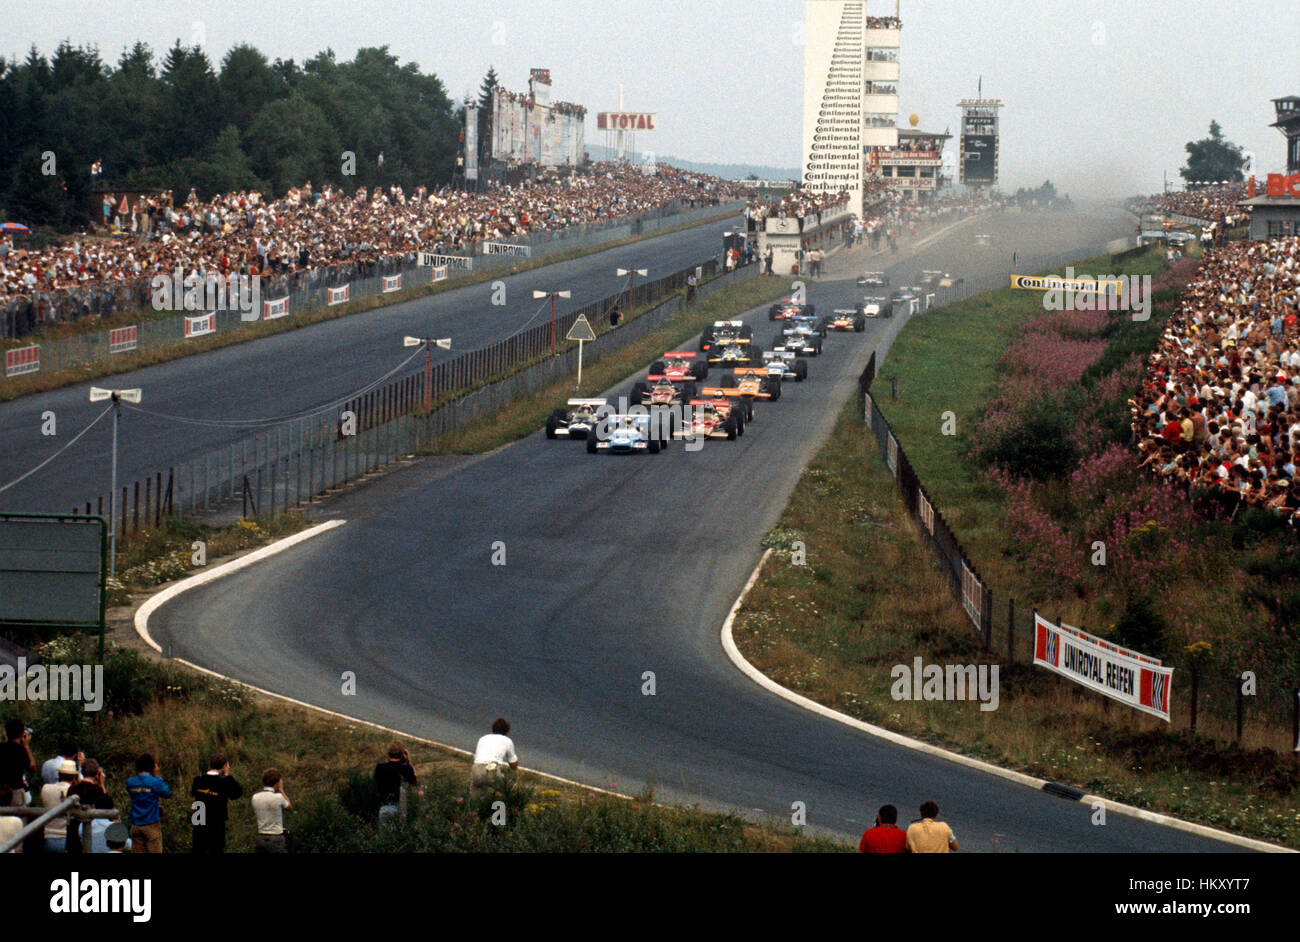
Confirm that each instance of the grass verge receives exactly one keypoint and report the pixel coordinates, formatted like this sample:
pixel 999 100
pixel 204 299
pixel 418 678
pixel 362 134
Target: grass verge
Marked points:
pixel 872 597
pixel 138 359
pixel 182 718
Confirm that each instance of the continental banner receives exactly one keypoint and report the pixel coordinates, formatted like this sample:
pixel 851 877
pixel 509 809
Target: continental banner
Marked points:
pixel 1078 285
pixel 1110 670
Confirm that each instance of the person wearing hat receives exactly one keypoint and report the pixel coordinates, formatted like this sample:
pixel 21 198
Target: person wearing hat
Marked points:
pixel 91 791
pixel 117 840
pixel 56 829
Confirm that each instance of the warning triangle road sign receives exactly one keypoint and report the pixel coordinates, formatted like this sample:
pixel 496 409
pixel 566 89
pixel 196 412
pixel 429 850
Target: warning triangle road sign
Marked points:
pixel 581 330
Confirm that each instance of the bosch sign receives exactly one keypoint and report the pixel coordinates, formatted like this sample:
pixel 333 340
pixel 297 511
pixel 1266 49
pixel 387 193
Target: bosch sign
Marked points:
pixel 1280 185
pixel 624 121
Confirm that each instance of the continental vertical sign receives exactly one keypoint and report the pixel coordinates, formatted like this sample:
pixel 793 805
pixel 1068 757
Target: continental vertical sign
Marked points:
pixel 835 35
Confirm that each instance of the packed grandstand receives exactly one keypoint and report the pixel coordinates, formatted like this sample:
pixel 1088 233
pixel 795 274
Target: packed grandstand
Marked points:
pixel 1220 405
pixel 310 230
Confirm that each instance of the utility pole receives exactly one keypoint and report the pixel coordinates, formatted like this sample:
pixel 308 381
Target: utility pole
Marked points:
pixel 118 396
pixel 429 344
pixel 552 295
pixel 643 272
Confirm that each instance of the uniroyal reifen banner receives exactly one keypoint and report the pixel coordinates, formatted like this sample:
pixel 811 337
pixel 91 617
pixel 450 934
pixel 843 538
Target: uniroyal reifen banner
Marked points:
pixel 339 295
pixel 392 283
pixel 1131 678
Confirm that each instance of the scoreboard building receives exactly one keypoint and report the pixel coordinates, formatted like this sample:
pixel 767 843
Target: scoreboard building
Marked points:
pixel 915 168
pixel 979 142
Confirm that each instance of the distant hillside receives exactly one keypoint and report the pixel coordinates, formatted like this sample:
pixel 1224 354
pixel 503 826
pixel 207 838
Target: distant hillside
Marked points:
pixel 726 171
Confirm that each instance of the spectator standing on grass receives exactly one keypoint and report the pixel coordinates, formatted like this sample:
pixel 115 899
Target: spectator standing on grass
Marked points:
pixel 389 777
pixel 269 806
pixel 50 769
pixel 768 258
pixel 213 791
pixel 16 759
pixel 691 282
pixel 886 837
pixel 494 754
pixel 615 316
pixel 90 790
pixel 56 829
pixel 10 824
pixel 146 790
pixel 930 835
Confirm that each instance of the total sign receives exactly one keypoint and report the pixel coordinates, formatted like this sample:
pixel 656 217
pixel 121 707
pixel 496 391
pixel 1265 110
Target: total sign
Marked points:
pixel 623 121
pixel 1279 185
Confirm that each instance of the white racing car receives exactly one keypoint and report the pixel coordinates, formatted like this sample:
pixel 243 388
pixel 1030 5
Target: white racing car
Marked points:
pixel 577 420
pixel 785 363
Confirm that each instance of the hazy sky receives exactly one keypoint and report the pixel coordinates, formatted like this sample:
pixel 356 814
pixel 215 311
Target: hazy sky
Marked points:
pixel 1100 97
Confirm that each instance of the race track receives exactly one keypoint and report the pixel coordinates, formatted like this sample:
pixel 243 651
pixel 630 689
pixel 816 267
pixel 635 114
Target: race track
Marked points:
pixel 616 566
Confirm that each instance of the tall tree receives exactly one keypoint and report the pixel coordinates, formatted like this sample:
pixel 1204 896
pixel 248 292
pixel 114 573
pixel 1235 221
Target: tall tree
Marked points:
pixel 485 114
pixel 1213 159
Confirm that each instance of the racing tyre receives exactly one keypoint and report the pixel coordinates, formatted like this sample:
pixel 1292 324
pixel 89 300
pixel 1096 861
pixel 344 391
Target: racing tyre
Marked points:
pixel 817 349
pixel 729 427
pixel 771 313
pixel 657 368
pixel 652 446
pixel 701 370
pixel 728 381
pixel 552 424
pixel 775 390
pixel 640 394
pixel 592 438
pixel 859 325
pixel 689 391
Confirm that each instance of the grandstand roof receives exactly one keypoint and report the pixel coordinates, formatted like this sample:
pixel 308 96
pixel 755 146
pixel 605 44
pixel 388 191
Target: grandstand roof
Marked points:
pixel 1274 201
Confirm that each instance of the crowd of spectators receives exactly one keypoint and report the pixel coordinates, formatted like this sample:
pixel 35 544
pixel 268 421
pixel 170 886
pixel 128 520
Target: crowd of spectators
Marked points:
pixel 797 204
pixel 884 22
pixel 1219 408
pixel 309 231
pixel 1217 204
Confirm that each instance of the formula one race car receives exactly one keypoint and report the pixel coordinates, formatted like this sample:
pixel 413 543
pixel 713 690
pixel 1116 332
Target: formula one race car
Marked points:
pixel 785 363
pixel 731 402
pixel 877 305
pixel 626 434
pixel 842 319
pixel 577 420
pixel 907 300
pixel 748 383
pixel 662 391
pixel 877 278
pixel 725 332
pixel 733 353
pixel 712 418
pixel 803 336
pixel 983 238
pixel 788 308
pixel 679 367
pixel 931 279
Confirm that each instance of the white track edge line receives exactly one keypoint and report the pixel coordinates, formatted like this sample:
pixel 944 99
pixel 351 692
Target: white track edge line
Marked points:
pixel 1020 778
pixel 166 595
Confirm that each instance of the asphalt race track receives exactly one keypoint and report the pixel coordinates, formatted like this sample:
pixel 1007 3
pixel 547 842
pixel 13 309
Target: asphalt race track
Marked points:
pixel 290 373
pixel 616 566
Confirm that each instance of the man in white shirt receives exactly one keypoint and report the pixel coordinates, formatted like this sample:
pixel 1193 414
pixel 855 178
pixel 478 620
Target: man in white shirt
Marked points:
pixel 494 754
pixel 269 805
pixel 50 770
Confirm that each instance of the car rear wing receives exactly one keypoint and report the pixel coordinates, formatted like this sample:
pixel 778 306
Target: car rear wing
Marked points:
pixel 728 323
pixel 590 403
pixel 780 354
pixel 678 356
pixel 846 311
pixel 751 371
pixel 719 391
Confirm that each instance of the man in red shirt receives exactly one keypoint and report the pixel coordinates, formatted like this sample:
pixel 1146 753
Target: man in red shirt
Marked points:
pixel 886 837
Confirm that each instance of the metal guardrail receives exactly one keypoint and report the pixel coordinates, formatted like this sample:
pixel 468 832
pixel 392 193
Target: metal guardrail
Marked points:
pixel 70 806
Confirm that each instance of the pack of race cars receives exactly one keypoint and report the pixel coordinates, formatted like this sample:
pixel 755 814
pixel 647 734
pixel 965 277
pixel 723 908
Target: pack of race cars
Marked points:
pixel 706 395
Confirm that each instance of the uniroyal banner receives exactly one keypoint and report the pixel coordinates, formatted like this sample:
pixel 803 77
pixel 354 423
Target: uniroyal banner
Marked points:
pixel 972 595
pixel 198 326
pixel 505 248
pixel 23 360
pixel 339 295
pixel 392 283
pixel 273 309
pixel 1112 671
pixel 121 339
pixel 439 273
pixel 624 121
pixel 460 262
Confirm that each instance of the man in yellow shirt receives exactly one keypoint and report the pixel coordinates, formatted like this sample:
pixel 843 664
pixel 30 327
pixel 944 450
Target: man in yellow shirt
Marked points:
pixel 930 835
